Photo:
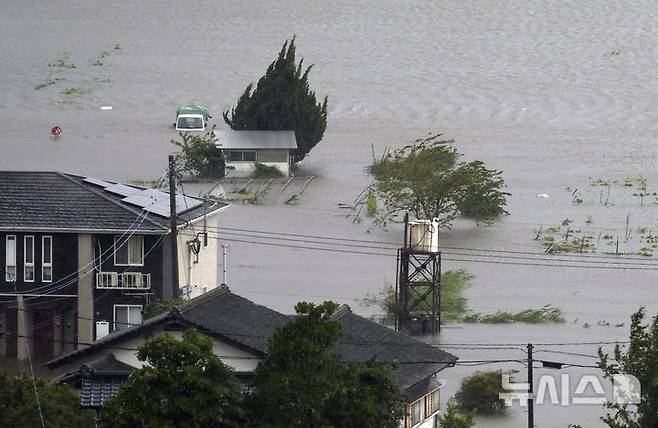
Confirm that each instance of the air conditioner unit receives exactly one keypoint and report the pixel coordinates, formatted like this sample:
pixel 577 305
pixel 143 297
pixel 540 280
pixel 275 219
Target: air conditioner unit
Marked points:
pixel 423 235
pixel 102 329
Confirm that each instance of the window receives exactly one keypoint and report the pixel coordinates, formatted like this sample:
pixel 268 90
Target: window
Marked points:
pixel 46 258
pixel 126 316
pixel 10 258
pixel 28 253
pixel 241 155
pixel 129 253
pixel 432 402
pixel 415 413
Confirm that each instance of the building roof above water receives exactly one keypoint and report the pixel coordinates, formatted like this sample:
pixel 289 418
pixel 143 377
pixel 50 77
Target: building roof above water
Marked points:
pixel 60 202
pixel 245 140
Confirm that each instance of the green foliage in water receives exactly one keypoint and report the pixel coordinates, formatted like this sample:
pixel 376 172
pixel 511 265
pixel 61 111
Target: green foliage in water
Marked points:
pixel 282 100
pixel 200 155
pixel 264 171
pixel 428 180
pixel 479 393
pixel 544 314
pixel 453 303
pixel 451 418
pixel 371 205
pixel 76 91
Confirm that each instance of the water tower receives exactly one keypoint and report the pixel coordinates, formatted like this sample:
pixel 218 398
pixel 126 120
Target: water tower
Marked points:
pixel 418 287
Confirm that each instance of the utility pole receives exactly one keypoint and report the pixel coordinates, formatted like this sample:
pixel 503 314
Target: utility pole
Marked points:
pixel 173 225
pixel 531 399
pixel 224 246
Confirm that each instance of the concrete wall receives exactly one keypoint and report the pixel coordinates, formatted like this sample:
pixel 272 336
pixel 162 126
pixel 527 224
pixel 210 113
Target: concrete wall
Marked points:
pixel 85 289
pixel 201 275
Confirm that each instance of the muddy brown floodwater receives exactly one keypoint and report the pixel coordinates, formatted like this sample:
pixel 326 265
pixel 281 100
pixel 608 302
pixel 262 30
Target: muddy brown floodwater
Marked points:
pixel 556 94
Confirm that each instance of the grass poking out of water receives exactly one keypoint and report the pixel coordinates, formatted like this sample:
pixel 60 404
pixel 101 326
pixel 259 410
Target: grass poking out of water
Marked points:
pixel 265 171
pixel 76 91
pixel 545 314
pixel 454 305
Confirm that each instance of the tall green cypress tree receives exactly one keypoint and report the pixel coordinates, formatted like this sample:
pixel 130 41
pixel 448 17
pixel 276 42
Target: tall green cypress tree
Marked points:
pixel 282 100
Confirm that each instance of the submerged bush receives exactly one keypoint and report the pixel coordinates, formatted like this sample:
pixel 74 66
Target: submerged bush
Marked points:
pixel 200 155
pixel 479 393
pixel 264 171
pixel 544 314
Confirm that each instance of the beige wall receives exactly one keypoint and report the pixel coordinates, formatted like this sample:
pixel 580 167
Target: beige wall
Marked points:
pixel 204 274
pixel 85 289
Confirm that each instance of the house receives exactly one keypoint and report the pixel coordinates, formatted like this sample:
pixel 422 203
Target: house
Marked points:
pixel 243 149
pixel 240 330
pixel 81 257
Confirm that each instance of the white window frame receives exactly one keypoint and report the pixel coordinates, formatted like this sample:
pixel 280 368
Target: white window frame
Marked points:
pixel 27 265
pixel 7 259
pixel 126 243
pixel 130 324
pixel 45 265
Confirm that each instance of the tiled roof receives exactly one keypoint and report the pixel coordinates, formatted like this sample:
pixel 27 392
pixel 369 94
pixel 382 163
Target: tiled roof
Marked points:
pixel 96 390
pixel 55 201
pixel 248 325
pixel 98 381
pixel 365 340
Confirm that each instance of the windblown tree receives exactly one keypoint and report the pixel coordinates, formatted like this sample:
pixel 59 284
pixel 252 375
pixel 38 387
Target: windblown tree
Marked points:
pixel 300 383
pixel 184 385
pixel 640 359
pixel 428 179
pixel 282 100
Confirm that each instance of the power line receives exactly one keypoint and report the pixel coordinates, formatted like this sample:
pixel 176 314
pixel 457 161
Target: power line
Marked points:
pixel 470 260
pixel 396 245
pixel 533 257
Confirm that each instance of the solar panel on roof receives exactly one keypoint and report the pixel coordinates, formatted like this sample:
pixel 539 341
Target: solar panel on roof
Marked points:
pixel 157 202
pixel 122 189
pixel 162 210
pixel 97 182
pixel 141 200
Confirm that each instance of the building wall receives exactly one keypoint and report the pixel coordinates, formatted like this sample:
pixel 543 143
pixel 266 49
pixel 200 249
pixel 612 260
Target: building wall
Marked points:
pixel 106 299
pixel 53 337
pixel 199 273
pixel 125 352
pixel 277 158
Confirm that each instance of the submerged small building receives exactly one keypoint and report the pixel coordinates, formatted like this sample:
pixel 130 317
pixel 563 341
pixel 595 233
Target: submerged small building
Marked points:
pixel 243 149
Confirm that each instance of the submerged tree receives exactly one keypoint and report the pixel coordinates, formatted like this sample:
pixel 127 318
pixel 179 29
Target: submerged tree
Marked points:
pixel 300 383
pixel 428 179
pixel 282 100
pixel 200 155
pixel 480 393
pixel 640 359
pixel 184 384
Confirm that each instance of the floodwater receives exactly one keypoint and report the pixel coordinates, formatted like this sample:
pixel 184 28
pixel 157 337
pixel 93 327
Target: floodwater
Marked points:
pixel 556 94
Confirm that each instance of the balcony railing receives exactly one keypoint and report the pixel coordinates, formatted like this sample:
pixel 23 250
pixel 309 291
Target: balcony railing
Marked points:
pixel 123 280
